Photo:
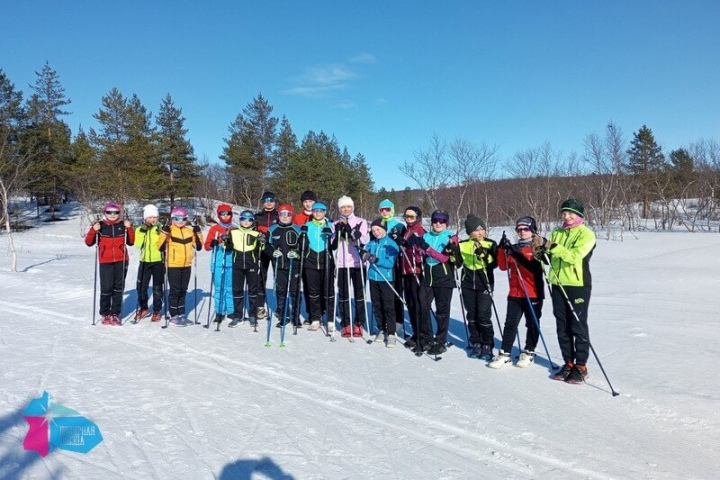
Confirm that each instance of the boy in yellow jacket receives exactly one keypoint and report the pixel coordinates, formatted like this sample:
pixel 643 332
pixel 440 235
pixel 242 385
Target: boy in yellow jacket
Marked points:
pixel 151 265
pixel 179 240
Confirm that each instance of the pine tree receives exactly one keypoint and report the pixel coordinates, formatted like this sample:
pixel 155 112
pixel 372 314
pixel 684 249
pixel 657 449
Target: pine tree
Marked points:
pixel 280 181
pixel 249 150
pixel 50 162
pixel 682 170
pixel 646 164
pixel 127 148
pixel 176 152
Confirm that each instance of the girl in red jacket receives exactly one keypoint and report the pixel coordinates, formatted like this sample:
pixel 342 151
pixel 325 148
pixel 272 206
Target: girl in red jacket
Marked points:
pixel 526 289
pixel 112 236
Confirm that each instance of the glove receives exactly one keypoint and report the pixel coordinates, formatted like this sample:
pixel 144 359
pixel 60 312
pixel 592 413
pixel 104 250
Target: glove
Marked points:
pixel 165 229
pixel 214 243
pixel 369 257
pixel 343 229
pixel 400 241
pixel 277 253
pixel 419 242
pixel 196 229
pixel 356 234
pixel 262 238
pixel 539 245
pixel 293 254
pixel 505 243
pixel 327 231
pixel 481 253
pixel 394 234
pixel 142 228
pixel 223 237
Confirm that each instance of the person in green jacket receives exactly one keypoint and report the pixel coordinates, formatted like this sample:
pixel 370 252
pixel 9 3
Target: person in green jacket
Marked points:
pixel 152 265
pixel 570 248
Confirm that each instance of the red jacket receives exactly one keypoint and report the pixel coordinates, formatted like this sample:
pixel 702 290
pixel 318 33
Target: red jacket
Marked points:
pixel 113 238
pixel 530 270
pixel 265 219
pixel 214 234
pixel 302 218
pixel 413 257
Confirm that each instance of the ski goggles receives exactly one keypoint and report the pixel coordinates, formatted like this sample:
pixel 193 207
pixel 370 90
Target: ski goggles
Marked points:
pixel 247 219
pixel 268 200
pixel 225 214
pixel 284 213
pixel 410 216
pixel 440 218
pixel 179 219
pixel 112 212
pixel 385 210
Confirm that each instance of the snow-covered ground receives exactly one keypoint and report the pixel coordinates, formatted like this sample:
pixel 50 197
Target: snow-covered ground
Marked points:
pixel 193 403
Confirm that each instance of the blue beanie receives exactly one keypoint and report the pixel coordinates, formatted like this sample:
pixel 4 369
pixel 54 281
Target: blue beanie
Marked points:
pixel 387 204
pixel 319 206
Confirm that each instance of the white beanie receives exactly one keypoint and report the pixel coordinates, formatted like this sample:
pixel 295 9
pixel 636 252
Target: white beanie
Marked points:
pixel 346 201
pixel 150 211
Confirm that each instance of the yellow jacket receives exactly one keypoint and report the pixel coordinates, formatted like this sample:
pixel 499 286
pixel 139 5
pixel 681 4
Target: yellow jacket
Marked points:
pixel 179 245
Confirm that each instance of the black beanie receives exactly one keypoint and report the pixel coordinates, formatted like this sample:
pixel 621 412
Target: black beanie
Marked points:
pixel 527 222
pixel 473 223
pixel 308 195
pixel 378 222
pixel 573 205
pixel 417 211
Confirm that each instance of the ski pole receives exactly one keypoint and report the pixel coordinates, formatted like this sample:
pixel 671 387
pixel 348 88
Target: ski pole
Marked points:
pixel 348 308
pixel 332 287
pixel 297 302
pixel 213 261
pixel 222 307
pixel 287 304
pixel 97 261
pixel 269 321
pixel 364 287
pixel 492 301
pixel 462 307
pixel 532 310
pixel 167 280
pixel 577 318
pixel 126 236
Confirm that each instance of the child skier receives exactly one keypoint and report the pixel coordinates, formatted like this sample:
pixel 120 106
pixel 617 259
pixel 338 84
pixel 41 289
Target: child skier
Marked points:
pixel 570 248
pixel 318 267
pixel 478 256
pixel 381 253
pixel 111 236
pixel 264 219
pixel 386 209
pixel 244 243
pixel 221 265
pixel 308 199
pixel 352 233
pixel 152 265
pixel 411 262
pixel 439 246
pixel 526 292
pixel 180 242
pixel 284 244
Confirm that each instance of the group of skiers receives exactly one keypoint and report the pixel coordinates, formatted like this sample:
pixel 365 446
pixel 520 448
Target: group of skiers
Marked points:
pixel 403 265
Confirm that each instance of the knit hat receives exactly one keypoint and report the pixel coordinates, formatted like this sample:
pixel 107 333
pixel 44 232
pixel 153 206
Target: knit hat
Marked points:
pixel 378 223
pixel 286 207
pixel 112 206
pixel 527 222
pixel 319 206
pixel 224 207
pixel 573 205
pixel 268 195
pixel 417 211
pixel 346 201
pixel 150 211
pixel 247 216
pixel 386 204
pixel 473 222
pixel 178 212
pixel 308 195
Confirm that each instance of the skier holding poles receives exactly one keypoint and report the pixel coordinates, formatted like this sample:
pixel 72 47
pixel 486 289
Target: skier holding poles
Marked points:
pixel 244 243
pixel 112 236
pixel 221 262
pixel 283 243
pixel 350 230
pixel 318 266
pixel 570 249
pixel 152 265
pixel 264 219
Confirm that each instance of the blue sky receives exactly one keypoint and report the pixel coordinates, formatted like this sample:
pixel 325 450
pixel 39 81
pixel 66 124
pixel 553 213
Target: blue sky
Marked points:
pixel 384 76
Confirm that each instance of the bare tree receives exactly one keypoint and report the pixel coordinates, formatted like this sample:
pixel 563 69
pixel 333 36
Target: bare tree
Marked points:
pixel 467 165
pixel 429 169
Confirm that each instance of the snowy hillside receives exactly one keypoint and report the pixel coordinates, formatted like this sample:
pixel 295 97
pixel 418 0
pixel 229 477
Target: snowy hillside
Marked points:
pixel 193 403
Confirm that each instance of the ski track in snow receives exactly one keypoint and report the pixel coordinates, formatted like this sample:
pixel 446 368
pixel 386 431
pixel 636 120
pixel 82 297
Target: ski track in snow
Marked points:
pixel 190 402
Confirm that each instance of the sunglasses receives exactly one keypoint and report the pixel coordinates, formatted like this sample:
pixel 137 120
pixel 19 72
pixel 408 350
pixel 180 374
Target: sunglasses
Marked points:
pixel 247 219
pixel 225 214
pixel 384 210
pixel 410 217
pixel 522 229
pixel 284 213
pixel 112 212
pixel 440 219
pixel 179 219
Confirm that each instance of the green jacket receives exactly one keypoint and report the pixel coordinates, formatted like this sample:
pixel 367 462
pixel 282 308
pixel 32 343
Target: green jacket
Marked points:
pixel 570 256
pixel 477 271
pixel 146 241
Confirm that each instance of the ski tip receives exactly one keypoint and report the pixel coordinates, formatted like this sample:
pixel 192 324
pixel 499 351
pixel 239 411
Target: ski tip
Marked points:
pixel 282 345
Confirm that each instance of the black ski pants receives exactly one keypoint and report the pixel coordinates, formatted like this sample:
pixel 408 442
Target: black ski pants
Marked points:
pixel 265 261
pixel 416 304
pixel 242 278
pixel 178 279
pixel 112 286
pixel 321 294
pixel 383 306
pixel 156 272
pixel 478 307
pixel 283 279
pixel 516 308
pixel 443 298
pixel 573 338
pixel 356 278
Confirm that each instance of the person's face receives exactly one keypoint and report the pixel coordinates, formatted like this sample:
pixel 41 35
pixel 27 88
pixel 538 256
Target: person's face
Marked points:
pixel 179 221
pixel 268 204
pixel 346 210
pixel 225 216
pixel 285 217
pixel 318 214
pixel 410 217
pixel 246 223
pixel 439 226
pixel 569 217
pixel 151 220
pixel 523 232
pixel 112 214
pixel 307 204
pixel 378 232
pixel 478 234
pixel 385 212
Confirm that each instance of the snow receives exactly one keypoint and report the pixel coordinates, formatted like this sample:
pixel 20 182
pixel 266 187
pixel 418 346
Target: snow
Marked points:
pixel 193 403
